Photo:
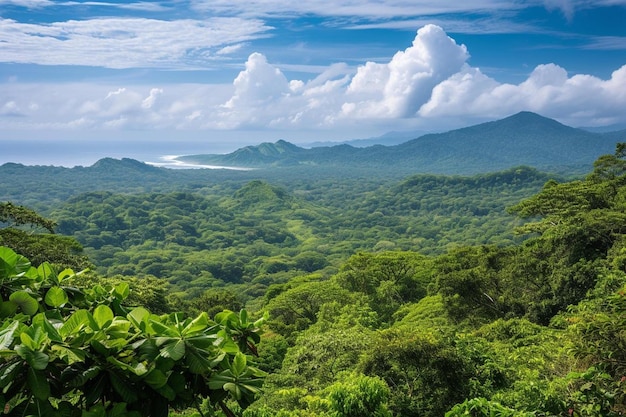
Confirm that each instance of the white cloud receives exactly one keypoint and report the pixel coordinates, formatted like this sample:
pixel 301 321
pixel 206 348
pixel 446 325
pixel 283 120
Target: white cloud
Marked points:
pixel 400 87
pixel 569 7
pixel 430 84
pixel 260 82
pixel 124 42
pixel 141 6
pixel 30 4
pixel 577 100
pixel 375 9
pixel 149 101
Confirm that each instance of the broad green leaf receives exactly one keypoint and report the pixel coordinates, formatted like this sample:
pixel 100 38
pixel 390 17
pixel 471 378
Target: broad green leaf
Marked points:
pixel 65 274
pixel 23 299
pixel 103 316
pixel 155 378
pixel 74 323
pixel 138 317
pixel 233 389
pixel 177 381
pixel 82 377
pixel 69 355
pixel 34 337
pixel 38 384
pixel 198 324
pixel 7 308
pixel 119 328
pixel 202 342
pixel 56 297
pixel 7 335
pixel 121 291
pixel 118 410
pixel 227 344
pixel 217 381
pixel 162 329
pixel 239 364
pixel 243 317
pixel 46 272
pixel 123 388
pixel 28 341
pixel 95 411
pixel 50 331
pixel 8 371
pixel 167 392
pixel 174 350
pixel 226 318
pixel 197 362
pixel 11 263
pixel 36 359
pixel 138 368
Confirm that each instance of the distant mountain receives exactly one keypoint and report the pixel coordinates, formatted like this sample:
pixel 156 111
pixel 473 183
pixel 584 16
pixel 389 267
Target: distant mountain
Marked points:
pixel 388 139
pixel 605 129
pixel 522 139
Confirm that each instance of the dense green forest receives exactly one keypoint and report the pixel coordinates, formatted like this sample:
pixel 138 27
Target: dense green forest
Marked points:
pixel 261 234
pixel 501 294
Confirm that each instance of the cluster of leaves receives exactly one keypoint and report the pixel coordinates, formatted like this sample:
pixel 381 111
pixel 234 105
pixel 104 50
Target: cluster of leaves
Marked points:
pixel 72 352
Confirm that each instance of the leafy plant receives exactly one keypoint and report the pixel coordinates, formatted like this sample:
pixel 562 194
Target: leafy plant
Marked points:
pixel 71 352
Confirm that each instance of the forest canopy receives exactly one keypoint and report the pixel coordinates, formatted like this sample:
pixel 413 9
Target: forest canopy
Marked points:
pixel 499 294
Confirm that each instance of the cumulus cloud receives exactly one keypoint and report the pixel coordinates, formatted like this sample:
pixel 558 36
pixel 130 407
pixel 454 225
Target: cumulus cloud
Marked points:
pixel 258 83
pixel 430 84
pixel 579 99
pixel 400 87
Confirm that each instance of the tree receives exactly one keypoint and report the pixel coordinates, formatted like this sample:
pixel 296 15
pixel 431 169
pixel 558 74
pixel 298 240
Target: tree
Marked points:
pixel 426 376
pixel 390 279
pixel 33 236
pixel 360 396
pixel 296 308
pixel 71 352
pixel 213 301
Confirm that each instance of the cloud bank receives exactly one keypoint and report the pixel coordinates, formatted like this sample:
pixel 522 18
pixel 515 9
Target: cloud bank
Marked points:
pixel 428 85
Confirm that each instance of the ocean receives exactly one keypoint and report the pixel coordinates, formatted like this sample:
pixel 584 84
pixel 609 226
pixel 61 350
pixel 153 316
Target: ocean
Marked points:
pixel 76 153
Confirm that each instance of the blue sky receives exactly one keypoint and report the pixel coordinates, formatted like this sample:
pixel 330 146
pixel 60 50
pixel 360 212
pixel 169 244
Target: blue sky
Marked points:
pixel 240 72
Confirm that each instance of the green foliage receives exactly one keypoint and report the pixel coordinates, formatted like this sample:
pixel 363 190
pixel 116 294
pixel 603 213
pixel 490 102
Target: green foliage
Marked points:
pixel 213 301
pixel 67 352
pixel 360 396
pixel 296 309
pixel 384 297
pixel 426 376
pixel 20 216
pixel 389 279
pixel 481 407
pixel 22 233
pixel 243 232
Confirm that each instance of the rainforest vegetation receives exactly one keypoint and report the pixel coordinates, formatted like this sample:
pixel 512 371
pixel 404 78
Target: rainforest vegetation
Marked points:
pixel 501 294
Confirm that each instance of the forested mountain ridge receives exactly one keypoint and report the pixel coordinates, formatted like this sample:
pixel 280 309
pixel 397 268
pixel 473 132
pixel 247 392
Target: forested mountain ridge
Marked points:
pixel 522 139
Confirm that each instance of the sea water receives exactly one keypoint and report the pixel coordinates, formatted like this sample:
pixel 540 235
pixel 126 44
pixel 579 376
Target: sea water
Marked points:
pixel 76 153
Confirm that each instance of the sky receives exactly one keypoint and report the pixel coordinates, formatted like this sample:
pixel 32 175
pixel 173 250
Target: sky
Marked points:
pixel 227 73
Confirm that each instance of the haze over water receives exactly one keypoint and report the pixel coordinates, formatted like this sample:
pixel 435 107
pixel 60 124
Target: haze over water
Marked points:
pixel 75 153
